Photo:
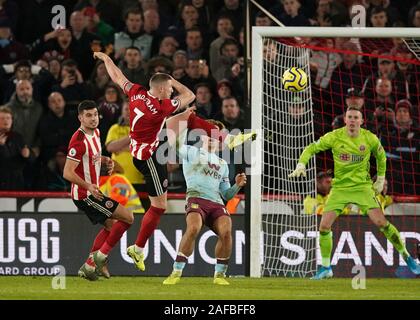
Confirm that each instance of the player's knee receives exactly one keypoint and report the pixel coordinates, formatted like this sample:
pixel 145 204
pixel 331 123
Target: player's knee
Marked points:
pixel 226 236
pixel 130 218
pixel 193 230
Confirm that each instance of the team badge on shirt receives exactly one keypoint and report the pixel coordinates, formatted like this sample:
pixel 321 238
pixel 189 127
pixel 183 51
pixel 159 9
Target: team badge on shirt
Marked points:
pixel 72 152
pixel 362 148
pixel 109 204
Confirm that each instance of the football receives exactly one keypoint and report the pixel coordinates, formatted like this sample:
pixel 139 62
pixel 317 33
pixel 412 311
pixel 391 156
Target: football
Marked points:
pixel 294 79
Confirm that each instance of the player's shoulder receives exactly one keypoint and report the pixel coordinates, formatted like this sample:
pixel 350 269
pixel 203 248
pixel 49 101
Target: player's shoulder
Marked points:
pixel 368 134
pixel 134 88
pixel 78 136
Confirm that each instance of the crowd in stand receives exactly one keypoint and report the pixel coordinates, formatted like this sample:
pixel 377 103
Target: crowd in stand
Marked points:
pixel 45 73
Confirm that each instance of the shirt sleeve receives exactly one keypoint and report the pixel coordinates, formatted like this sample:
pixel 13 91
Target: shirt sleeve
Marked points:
pixel 112 135
pixel 76 151
pixel 226 190
pixel 379 153
pixel 131 88
pixel 323 143
pixel 169 106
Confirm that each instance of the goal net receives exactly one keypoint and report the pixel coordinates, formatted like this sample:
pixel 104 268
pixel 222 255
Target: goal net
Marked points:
pixel 284 230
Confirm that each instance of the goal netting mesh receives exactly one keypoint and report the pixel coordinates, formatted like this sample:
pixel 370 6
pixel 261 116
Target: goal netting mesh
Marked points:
pixel 385 72
pixel 289 243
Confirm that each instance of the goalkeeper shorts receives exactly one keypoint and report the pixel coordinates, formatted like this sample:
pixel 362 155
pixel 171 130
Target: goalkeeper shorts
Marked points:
pixel 364 198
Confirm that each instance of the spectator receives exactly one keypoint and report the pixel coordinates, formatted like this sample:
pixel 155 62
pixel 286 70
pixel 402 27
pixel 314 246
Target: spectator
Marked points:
pixel 97 26
pixel 195 47
pixel 118 142
pixel 205 14
pixel 188 20
pixel 10 50
pixel 409 71
pixel 224 89
pixel 14 153
pixel 262 20
pixel 51 177
pixel 98 80
pixel 83 43
pixel 291 16
pixel 322 17
pixel 167 47
pixel 54 59
pixel 158 64
pixel 9 10
pixel 383 106
pixel 324 62
pixel 152 27
pixel 384 199
pixel 392 13
pixel 72 86
pixel 133 36
pixel 403 147
pixel 234 10
pixel 225 31
pixel 231 115
pixel 323 187
pixel 132 66
pixel 204 106
pixel 26 113
pixel 109 11
pixel 197 71
pixel 229 54
pixel 179 59
pixel 109 109
pixel 233 120
pixel 386 69
pixel 55 127
pixel 57 42
pixel 414 16
pixel 40 78
pixel 346 75
pixel 378 17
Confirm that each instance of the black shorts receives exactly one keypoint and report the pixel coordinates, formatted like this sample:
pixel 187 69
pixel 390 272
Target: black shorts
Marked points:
pixel 155 174
pixel 97 210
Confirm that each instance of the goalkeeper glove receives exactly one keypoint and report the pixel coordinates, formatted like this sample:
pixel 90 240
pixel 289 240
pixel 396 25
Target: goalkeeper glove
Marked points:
pixel 378 186
pixel 299 171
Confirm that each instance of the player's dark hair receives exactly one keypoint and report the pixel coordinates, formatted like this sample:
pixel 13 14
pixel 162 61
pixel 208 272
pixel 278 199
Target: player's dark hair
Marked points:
pixel 133 48
pixel 158 78
pixel 134 10
pixel 86 105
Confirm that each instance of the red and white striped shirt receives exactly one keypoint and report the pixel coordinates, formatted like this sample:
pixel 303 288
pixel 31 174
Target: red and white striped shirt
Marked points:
pixel 85 149
pixel 147 118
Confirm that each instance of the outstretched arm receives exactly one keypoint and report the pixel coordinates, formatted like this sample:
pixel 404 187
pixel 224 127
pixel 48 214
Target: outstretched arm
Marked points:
pixel 186 96
pixel 324 143
pixel 114 72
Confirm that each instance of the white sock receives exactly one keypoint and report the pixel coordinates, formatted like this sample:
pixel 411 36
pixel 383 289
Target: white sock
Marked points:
pixel 138 249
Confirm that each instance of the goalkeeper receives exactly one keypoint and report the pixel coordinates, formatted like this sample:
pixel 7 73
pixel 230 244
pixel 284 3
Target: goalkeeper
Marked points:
pixel 351 148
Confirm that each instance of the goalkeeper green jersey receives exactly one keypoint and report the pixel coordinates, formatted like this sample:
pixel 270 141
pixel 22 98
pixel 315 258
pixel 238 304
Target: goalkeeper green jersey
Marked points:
pixel 351 156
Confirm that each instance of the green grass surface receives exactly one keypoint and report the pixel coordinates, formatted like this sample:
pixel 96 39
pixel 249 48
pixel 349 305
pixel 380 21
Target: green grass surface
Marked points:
pixel 139 288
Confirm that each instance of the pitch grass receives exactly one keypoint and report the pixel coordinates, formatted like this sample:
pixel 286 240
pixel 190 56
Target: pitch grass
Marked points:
pixel 151 288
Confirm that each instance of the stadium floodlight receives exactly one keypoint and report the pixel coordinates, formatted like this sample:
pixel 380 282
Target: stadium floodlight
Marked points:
pixel 282 237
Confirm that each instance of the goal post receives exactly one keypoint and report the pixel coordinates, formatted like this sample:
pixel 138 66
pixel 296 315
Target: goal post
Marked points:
pixel 280 211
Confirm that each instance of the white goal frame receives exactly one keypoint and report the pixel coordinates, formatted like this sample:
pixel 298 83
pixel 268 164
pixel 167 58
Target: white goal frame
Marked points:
pixel 257 101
